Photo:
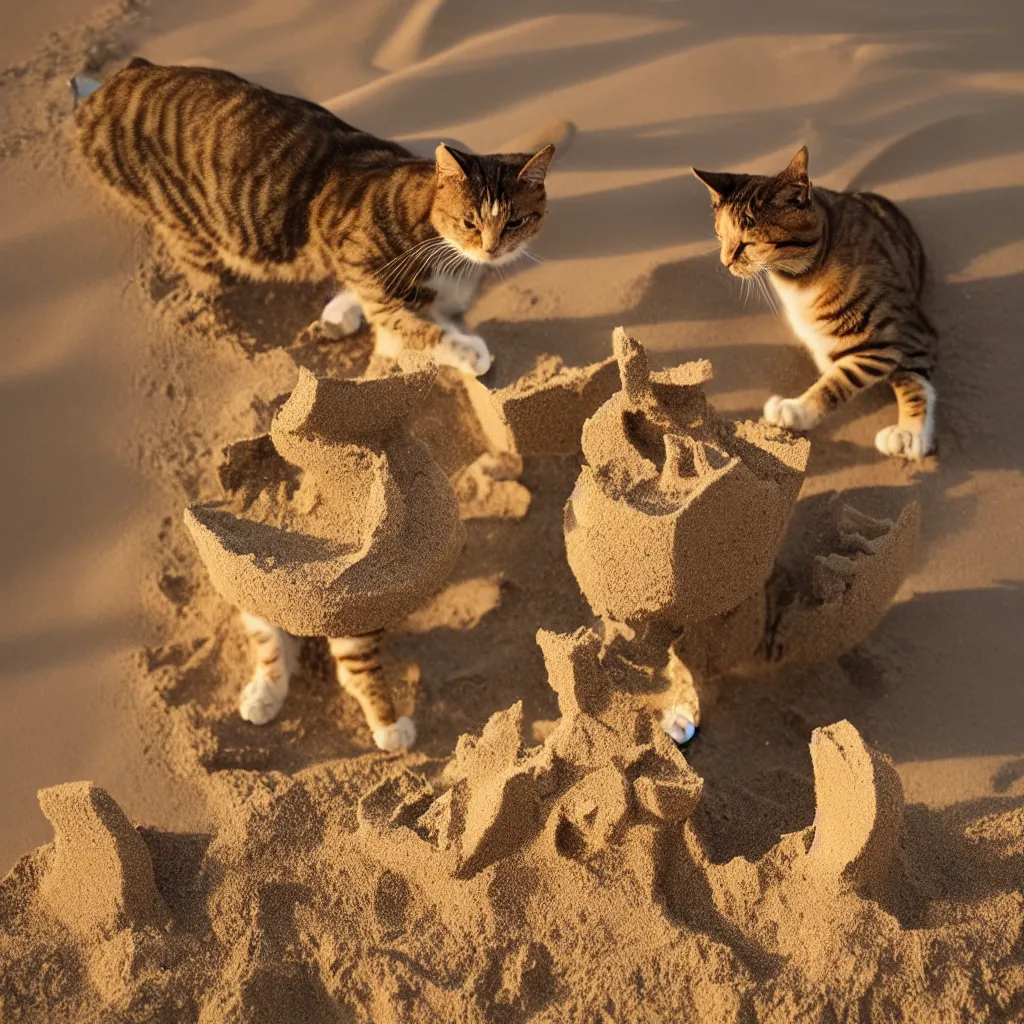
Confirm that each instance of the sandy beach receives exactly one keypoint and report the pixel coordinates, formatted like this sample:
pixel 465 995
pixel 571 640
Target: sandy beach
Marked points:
pixel 292 871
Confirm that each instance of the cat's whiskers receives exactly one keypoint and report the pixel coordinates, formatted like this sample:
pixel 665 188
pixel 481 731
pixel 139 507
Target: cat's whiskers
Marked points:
pixel 766 291
pixel 422 253
pixel 412 249
pixel 399 268
pixel 425 265
pixel 454 261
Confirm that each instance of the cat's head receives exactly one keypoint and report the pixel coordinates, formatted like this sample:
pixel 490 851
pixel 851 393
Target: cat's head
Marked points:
pixel 489 207
pixel 765 222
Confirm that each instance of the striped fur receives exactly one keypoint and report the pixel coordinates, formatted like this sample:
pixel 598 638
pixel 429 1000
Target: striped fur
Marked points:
pixel 240 179
pixel 359 671
pixel 848 270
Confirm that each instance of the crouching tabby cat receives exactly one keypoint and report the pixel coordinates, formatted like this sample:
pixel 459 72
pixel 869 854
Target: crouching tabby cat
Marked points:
pixel 359 671
pixel 848 269
pixel 235 177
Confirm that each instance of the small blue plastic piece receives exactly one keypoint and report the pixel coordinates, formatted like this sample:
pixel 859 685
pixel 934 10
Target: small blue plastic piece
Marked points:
pixel 83 86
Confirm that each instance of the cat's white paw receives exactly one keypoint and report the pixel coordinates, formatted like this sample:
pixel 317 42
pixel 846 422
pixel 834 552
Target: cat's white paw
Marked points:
pixel 262 699
pixel 396 737
pixel 343 315
pixel 897 441
pixel 466 352
pixel 679 722
pixel 790 413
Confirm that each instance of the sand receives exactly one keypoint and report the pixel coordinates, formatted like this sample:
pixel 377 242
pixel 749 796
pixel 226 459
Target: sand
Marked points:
pixel 844 837
pixel 494 893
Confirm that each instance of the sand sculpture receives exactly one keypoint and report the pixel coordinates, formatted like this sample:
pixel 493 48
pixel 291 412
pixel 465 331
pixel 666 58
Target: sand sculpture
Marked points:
pixel 372 531
pixel 488 888
pixel 675 525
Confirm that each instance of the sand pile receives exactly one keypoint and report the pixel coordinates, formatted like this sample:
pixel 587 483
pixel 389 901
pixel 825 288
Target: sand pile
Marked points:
pixel 494 892
pixel 372 530
pixel 542 411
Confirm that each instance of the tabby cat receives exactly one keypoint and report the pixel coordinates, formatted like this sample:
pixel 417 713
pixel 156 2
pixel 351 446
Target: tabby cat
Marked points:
pixel 848 269
pixel 359 671
pixel 237 178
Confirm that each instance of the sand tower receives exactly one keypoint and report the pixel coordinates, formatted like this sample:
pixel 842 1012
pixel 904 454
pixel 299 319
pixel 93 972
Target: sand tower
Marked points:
pixel 675 526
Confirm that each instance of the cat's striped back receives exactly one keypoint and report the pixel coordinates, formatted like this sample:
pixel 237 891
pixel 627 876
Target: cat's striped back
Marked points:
pixel 230 168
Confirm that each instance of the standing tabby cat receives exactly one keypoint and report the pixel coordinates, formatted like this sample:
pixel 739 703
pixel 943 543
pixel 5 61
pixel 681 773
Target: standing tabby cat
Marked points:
pixel 236 177
pixel 848 269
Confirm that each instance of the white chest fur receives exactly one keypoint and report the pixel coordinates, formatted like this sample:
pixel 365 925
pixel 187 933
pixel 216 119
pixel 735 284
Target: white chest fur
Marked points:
pixel 796 304
pixel 455 294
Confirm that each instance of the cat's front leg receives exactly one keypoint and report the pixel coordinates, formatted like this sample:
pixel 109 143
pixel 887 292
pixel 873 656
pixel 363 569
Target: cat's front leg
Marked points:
pixel 681 716
pixel 399 324
pixel 343 315
pixel 466 352
pixel 847 377
pixel 913 437
pixel 265 693
pixel 361 674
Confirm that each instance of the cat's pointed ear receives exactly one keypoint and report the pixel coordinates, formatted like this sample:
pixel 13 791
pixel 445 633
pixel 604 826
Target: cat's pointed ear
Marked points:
pixel 721 184
pixel 452 163
pixel 796 170
pixel 536 168
pixel 798 185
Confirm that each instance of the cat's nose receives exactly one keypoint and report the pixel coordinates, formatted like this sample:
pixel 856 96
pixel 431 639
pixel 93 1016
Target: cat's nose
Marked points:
pixel 491 250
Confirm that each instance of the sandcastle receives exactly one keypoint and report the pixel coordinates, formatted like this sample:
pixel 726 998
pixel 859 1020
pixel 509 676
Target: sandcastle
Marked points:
pixel 373 530
pixel 486 885
pixel 675 524
pixel 676 515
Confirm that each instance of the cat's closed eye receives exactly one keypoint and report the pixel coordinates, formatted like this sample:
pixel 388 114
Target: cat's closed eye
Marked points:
pixel 469 225
pixel 518 222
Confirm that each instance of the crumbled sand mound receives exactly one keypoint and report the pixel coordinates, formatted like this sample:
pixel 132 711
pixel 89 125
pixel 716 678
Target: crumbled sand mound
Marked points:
pixel 559 882
pixel 374 530
pixel 99 878
pixel 489 488
pixel 542 412
pixel 828 601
